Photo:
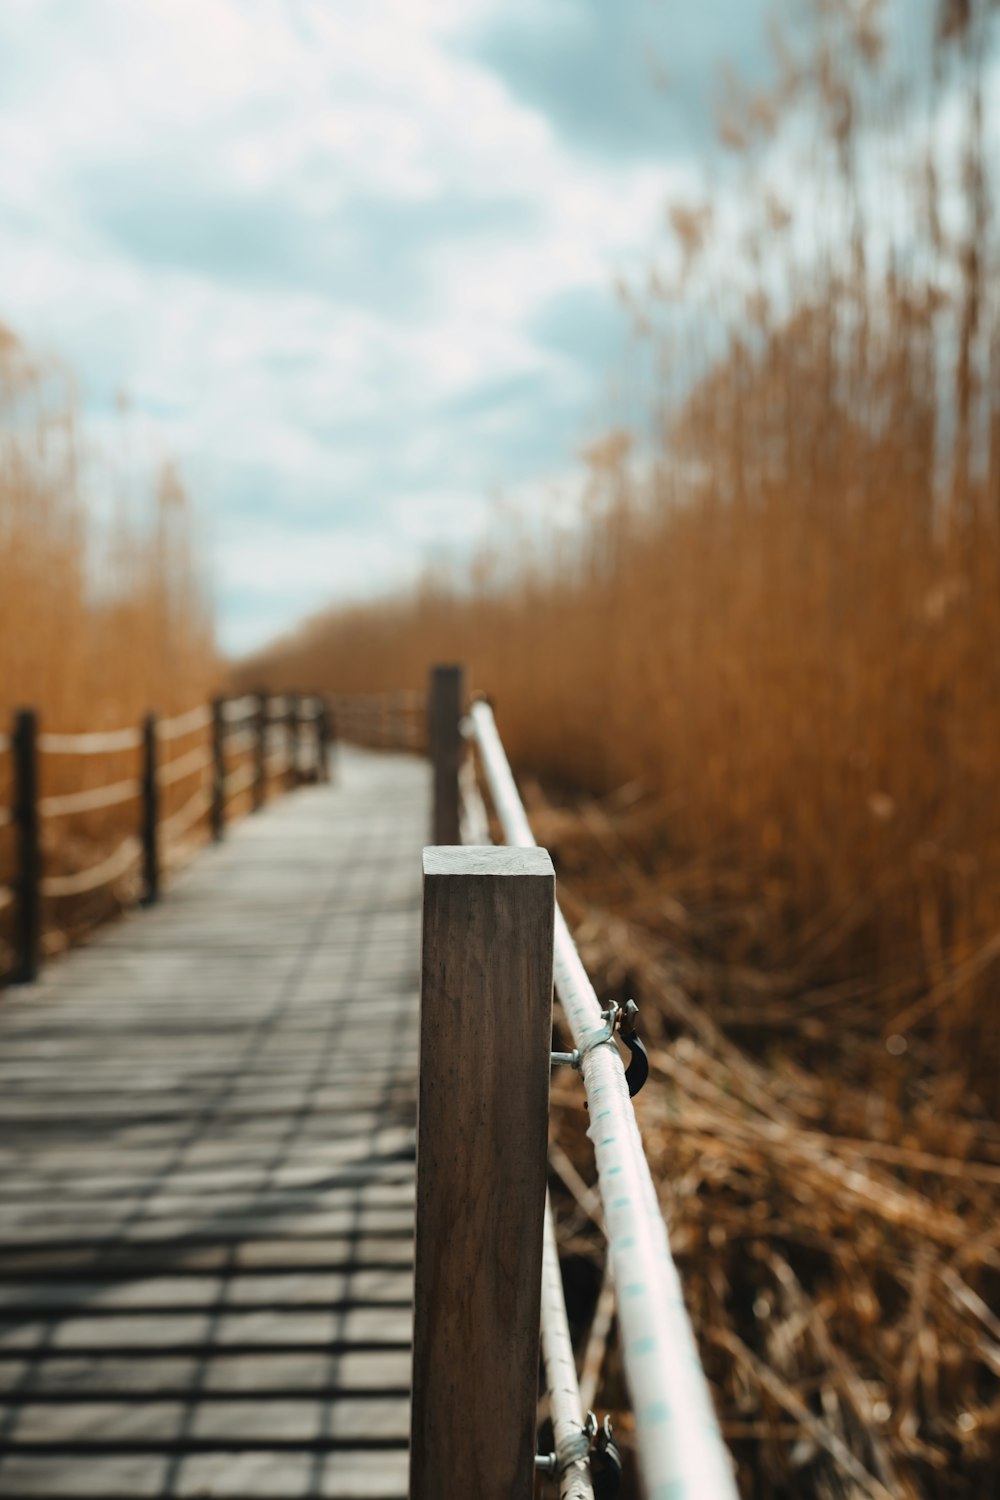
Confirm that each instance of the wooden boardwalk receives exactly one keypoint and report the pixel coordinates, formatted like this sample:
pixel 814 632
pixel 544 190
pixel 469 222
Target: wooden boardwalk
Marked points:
pixel 206 1148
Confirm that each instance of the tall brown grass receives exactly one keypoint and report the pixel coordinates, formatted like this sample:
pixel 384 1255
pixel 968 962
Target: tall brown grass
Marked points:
pixel 762 687
pixel 103 612
pixel 780 627
pixel 100 619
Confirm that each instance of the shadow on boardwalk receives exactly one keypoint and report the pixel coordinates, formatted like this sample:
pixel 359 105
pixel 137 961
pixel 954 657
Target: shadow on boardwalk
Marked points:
pixel 207 1153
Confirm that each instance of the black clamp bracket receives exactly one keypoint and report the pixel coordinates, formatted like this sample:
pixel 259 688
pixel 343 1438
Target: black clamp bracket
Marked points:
pixel 625 1021
pixel 604 1454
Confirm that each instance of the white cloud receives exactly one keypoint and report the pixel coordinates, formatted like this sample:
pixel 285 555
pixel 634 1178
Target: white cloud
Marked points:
pixel 422 219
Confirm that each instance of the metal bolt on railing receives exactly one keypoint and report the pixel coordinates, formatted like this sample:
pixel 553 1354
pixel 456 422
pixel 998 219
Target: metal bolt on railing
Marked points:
pixel 597 1446
pixel 624 1019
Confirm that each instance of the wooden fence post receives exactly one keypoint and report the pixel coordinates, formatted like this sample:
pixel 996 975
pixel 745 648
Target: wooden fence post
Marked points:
pixel 218 768
pixel 150 813
pixel 260 753
pixel 485 1040
pixel 444 742
pixel 398 722
pixel 24 744
pixel 323 740
pixel 294 739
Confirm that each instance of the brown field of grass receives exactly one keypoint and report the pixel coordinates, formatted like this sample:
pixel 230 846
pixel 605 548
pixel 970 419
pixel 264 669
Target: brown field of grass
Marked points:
pixel 755 705
pixel 100 622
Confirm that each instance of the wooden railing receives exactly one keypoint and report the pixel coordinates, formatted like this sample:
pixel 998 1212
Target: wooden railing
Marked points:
pixel 488 1288
pixel 381 721
pixel 487 1271
pixel 181 773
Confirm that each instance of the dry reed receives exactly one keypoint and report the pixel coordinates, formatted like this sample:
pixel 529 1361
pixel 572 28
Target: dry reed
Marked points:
pixel 786 637
pixel 761 689
pixel 100 620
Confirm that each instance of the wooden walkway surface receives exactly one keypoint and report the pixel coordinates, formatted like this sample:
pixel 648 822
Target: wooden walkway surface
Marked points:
pixel 206 1149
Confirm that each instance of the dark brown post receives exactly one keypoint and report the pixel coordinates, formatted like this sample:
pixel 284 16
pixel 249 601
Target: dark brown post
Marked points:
pixel 323 740
pixel 485 1040
pixel 444 741
pixel 218 768
pixel 150 813
pixel 260 753
pixel 24 744
pixel 294 739
pixel 396 738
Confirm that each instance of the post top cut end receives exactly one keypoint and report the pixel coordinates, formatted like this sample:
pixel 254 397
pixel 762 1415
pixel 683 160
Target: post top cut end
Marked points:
pixel 486 859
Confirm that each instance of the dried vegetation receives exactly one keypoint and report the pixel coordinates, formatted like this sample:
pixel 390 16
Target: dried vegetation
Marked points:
pixel 103 617
pixel 760 687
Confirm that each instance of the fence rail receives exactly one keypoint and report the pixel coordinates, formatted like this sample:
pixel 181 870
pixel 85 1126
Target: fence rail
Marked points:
pixel 232 756
pixel 680 1449
pixel 488 1289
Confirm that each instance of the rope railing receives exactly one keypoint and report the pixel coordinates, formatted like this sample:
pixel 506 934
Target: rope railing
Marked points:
pixel 474 822
pixel 381 721
pixel 108 743
pixel 298 728
pixel 680 1448
pixel 239 781
pixel 567 1408
pixel 236 710
pixel 91 800
pixel 185 817
pixel 186 723
pixel 572 1448
pixel 244 739
pixel 106 872
pixel 184 765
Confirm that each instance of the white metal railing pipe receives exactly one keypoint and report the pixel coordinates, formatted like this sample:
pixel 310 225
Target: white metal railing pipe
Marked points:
pixel 572 1445
pixel 473 822
pixel 680 1449
pixel 571 1440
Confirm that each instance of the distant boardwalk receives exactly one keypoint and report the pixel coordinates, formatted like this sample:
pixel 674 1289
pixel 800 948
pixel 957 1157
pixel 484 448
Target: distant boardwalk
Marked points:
pixel 206 1148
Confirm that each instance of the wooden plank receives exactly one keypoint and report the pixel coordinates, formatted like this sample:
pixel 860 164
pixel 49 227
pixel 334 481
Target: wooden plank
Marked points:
pixel 67 1376
pixel 127 1478
pixel 256 1422
pixel 170 1294
pixel 485 1038
pixel 206 1223
pixel 368 1476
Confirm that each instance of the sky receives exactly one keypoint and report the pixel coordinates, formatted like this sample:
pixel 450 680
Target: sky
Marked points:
pixel 352 264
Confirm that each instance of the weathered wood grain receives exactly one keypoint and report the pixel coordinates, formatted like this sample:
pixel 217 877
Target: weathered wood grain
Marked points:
pixel 485 1038
pixel 206 1170
pixel 444 741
